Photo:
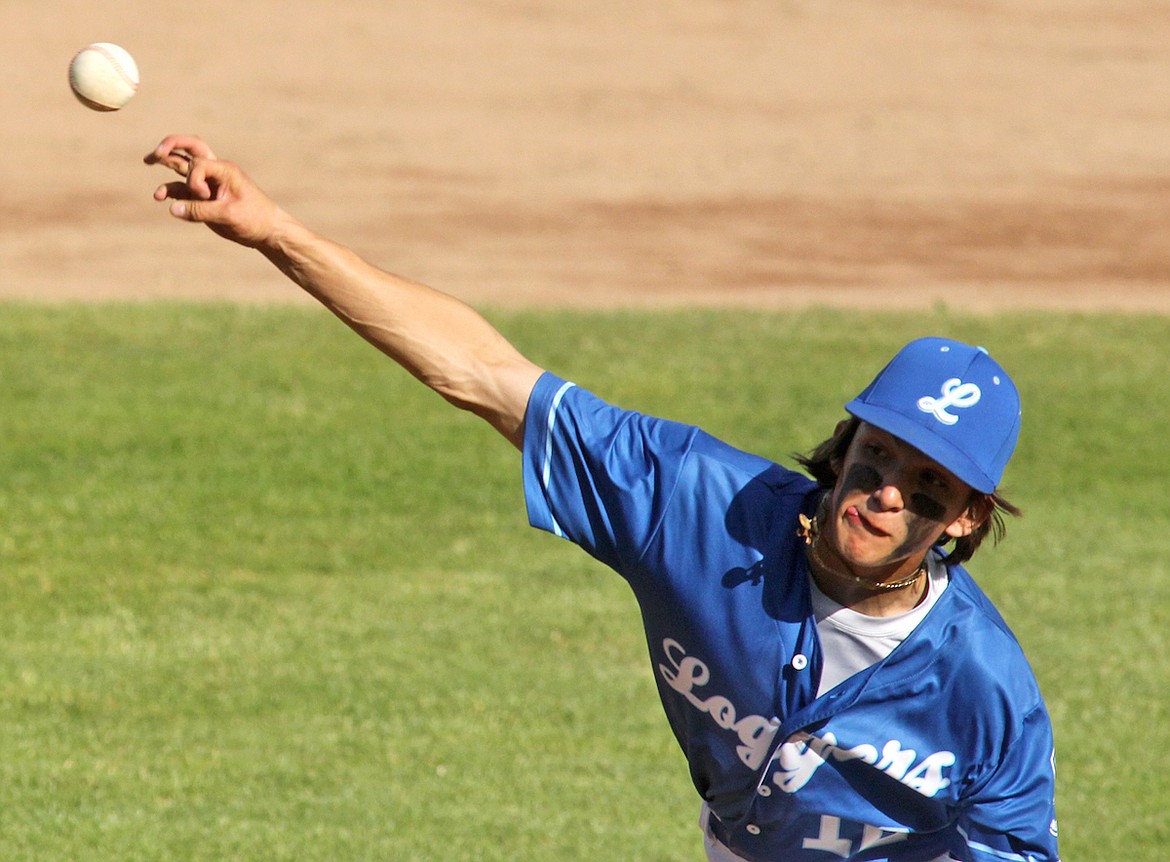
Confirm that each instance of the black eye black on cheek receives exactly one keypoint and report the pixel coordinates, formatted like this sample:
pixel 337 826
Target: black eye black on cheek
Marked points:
pixel 862 477
pixel 926 507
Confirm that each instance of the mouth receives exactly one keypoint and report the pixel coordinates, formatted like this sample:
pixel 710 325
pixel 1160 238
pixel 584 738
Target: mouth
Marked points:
pixel 854 516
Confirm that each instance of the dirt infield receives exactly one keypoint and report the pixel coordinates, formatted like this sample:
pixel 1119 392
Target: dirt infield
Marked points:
pixel 988 154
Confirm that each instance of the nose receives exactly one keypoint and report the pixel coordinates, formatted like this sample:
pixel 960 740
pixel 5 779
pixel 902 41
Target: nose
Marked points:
pixel 888 497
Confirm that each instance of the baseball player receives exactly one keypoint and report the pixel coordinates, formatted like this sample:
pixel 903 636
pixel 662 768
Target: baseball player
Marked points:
pixel 841 688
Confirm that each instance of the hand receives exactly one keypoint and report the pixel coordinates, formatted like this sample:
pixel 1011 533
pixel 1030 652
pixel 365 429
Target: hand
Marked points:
pixel 214 192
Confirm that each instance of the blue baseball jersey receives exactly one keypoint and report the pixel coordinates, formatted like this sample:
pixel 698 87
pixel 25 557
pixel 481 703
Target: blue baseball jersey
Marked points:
pixel 943 746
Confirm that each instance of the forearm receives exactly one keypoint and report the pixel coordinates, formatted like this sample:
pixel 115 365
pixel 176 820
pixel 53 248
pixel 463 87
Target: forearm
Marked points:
pixel 437 338
pixel 440 340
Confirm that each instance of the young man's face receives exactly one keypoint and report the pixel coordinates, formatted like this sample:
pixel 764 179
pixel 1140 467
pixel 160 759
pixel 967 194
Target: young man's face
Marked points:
pixel 891 503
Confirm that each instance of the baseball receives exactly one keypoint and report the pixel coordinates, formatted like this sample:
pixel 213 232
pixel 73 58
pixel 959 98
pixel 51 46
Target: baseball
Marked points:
pixel 103 76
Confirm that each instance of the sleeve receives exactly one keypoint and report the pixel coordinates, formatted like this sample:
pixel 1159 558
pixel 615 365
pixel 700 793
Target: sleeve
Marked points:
pixel 598 475
pixel 1012 814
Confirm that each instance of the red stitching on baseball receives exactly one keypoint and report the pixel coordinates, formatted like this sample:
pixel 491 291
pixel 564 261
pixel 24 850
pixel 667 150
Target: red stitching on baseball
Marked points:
pixel 117 64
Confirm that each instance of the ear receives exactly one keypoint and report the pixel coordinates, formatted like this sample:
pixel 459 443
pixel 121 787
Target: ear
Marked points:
pixel 970 520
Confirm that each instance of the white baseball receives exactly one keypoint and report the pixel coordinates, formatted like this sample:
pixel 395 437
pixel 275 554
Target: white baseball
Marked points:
pixel 103 76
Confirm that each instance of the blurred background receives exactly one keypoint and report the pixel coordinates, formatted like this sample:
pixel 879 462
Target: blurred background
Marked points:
pixel 744 152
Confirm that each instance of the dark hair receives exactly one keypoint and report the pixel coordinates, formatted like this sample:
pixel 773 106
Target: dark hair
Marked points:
pixel 821 463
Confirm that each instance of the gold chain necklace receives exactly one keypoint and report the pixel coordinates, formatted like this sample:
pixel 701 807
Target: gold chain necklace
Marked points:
pixel 810 531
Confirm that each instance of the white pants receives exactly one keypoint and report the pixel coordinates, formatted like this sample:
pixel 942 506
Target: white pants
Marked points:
pixel 716 851
pixel 719 852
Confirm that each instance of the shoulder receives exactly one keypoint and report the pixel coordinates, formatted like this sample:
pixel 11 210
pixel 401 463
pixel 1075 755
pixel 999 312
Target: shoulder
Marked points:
pixel 981 650
pixel 560 410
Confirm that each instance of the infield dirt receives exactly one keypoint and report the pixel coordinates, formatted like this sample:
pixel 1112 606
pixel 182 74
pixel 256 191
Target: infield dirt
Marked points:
pixel 761 153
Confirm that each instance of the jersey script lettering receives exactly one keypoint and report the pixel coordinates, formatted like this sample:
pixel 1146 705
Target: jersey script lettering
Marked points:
pixel 799 757
pixel 802 754
pixel 684 674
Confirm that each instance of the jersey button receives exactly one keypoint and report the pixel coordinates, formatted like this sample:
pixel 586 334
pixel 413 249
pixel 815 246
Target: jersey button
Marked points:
pixel 799 662
pixel 753 829
pixel 764 790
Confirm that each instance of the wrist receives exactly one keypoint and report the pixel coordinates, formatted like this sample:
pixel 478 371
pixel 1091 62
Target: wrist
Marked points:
pixel 285 236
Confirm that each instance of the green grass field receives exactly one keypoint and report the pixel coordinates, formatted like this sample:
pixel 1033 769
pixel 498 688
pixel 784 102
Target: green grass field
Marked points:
pixel 266 598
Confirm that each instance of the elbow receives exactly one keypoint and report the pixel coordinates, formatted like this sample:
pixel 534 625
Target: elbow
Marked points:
pixel 496 393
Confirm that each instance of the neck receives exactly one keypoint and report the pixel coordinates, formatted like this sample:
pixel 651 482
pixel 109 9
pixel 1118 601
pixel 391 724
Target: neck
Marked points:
pixel 893 594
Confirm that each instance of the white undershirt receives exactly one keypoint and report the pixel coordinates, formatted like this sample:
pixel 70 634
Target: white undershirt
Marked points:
pixel 851 642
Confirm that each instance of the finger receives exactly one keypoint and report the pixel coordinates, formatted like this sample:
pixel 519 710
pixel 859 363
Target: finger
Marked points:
pixel 176 191
pixel 197 147
pixel 178 161
pixel 187 147
pixel 189 209
pixel 197 181
pixel 161 151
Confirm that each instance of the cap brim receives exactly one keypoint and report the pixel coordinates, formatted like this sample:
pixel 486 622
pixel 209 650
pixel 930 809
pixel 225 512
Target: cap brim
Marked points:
pixel 925 441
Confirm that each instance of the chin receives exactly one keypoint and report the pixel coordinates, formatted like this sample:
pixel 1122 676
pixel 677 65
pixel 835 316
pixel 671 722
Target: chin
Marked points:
pixel 864 550
pixel 866 561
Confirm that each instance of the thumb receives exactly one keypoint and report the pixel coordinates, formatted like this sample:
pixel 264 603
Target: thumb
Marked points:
pixel 187 210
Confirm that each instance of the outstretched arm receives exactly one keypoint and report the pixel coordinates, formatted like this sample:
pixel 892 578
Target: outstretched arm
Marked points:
pixel 440 340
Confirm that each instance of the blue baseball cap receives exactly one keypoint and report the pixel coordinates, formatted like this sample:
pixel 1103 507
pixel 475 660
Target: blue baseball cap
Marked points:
pixel 950 401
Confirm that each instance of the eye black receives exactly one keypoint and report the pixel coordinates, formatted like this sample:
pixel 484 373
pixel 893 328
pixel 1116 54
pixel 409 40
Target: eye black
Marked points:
pixel 862 477
pixel 926 507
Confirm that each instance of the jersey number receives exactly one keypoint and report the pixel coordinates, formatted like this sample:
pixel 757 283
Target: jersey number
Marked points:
pixel 830 839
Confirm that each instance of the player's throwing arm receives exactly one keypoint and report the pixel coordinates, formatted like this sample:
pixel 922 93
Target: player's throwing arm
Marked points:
pixel 440 340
